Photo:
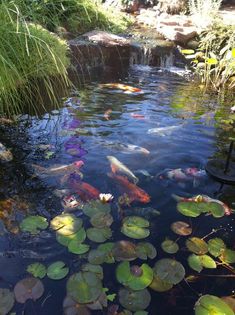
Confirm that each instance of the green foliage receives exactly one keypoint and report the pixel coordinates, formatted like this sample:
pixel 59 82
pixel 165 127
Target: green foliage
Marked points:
pixel 204 11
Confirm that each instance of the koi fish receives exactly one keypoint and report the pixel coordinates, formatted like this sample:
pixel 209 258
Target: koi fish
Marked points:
pixel 137 116
pixel 126 88
pixel 107 114
pixel 204 198
pixel 164 131
pixel 117 166
pixel 134 192
pixel 84 190
pixel 126 148
pixel 58 169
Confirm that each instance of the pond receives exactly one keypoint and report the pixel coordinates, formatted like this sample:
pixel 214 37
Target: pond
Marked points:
pixel 147 146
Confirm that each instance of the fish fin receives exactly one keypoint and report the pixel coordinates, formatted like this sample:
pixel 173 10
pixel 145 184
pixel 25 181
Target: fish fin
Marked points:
pixel 114 168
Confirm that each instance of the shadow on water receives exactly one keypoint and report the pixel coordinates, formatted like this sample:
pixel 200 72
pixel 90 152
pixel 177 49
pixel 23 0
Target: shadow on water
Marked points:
pixel 95 121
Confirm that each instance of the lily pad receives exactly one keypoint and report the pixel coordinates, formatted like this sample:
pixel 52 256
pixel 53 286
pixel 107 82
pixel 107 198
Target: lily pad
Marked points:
pixel 78 248
pixel 230 301
pixel 170 246
pixel 216 209
pixel 28 288
pixel 216 246
pixel 181 228
pixel 101 220
pixel 189 208
pixel 38 270
pixel 98 270
pixel 33 224
pixel 169 270
pixel 228 256
pixel 57 270
pixel 135 227
pixel 197 263
pixel 146 250
pixel 71 307
pixel 107 249
pixel 66 224
pixel 79 237
pixel 134 300
pixel 84 287
pixel 197 245
pixel 124 250
pixel 99 304
pixel 96 257
pixel 96 206
pixel 99 235
pixel 160 285
pixel 210 304
pixel 6 301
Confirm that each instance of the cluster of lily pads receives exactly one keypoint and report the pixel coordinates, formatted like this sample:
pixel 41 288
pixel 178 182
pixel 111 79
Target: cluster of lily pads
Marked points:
pixel 93 243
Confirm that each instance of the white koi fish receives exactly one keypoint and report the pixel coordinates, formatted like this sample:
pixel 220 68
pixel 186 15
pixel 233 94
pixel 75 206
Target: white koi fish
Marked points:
pixel 164 131
pixel 119 167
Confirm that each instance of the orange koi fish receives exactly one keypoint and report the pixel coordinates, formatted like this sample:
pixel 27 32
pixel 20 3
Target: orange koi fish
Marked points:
pixel 137 116
pixel 84 190
pixel 134 192
pixel 126 88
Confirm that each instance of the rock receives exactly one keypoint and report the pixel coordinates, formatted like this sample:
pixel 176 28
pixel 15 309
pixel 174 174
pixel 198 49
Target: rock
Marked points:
pixel 193 44
pixel 172 6
pixel 105 39
pixel 5 154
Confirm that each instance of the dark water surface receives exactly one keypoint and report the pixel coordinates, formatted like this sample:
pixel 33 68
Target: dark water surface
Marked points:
pixel 167 100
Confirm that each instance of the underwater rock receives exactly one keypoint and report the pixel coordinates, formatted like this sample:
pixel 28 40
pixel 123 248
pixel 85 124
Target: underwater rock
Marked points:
pixel 5 154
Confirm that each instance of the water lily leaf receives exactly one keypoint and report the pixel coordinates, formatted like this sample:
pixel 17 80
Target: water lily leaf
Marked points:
pixel 137 221
pixel 107 249
pixel 100 303
pixel 84 287
pixel 38 270
pixel 78 248
pixel 216 246
pixel 135 227
pixel 99 235
pixel 57 270
pixel 33 224
pixel 134 300
pixel 170 246
pixel 216 209
pixel 96 206
pixel 28 288
pixel 197 245
pixel 228 256
pixel 96 257
pixel 6 301
pixel 123 272
pixel 79 236
pixel 98 270
pixel 195 262
pixel 207 262
pixel 189 208
pixel 230 301
pixel 160 285
pixel 210 304
pixel 181 228
pixel 169 270
pixel 146 250
pixel 101 220
pixel 124 250
pixel 71 307
pixel 66 224
pixel 187 51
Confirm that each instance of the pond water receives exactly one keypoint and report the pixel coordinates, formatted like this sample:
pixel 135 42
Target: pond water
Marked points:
pixel 100 121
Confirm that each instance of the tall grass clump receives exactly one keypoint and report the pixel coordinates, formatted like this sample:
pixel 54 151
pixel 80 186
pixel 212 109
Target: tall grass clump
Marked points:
pixel 29 57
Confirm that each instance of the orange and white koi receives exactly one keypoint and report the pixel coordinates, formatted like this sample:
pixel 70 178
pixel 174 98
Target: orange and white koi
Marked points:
pixel 58 169
pixel 84 190
pixel 126 88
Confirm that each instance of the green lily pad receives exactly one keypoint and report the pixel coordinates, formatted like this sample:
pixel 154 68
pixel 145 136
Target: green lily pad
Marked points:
pixel 197 245
pixel 160 285
pixel 98 270
pixel 207 262
pixel 84 287
pixel 78 248
pixel 189 208
pixel 170 246
pixel 28 288
pixel 228 256
pixel 71 307
pixel 169 270
pixel 134 300
pixel 216 246
pixel 146 250
pixel 38 270
pixel 99 235
pixel 33 224
pixel 124 250
pixel 135 277
pixel 135 227
pixel 79 236
pixel 57 270
pixel 66 224
pixel 210 304
pixel 101 220
pixel 181 228
pixel 95 206
pixel 197 263
pixel 6 301
pixel 216 209
pixel 107 249
pixel 96 257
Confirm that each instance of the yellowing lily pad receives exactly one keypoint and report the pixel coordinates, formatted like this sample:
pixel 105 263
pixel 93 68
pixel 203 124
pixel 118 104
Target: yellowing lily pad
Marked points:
pixel 33 224
pixel 197 263
pixel 181 228
pixel 135 227
pixel 28 288
pixel 6 301
pixel 96 206
pixel 210 304
pixel 230 301
pixel 197 245
pixel 79 236
pixel 134 300
pixel 146 250
pixel 66 224
pixel 170 246
pixel 84 287
pixel 57 270
pixel 169 270
pixel 99 235
pixel 124 250
pixel 98 270
pixel 160 285
pixel 38 270
pixel 228 256
pixel 216 246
